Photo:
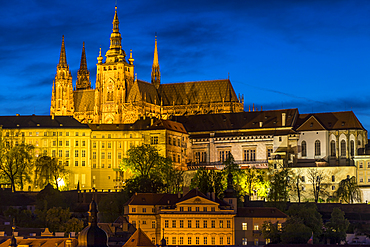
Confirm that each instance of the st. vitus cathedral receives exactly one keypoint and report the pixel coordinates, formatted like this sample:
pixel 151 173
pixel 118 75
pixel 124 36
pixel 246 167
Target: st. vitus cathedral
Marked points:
pixel 120 98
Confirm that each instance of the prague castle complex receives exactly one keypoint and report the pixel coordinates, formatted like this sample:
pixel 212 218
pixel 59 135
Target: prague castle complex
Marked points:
pixel 196 124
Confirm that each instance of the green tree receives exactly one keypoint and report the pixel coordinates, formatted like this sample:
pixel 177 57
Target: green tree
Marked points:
pixel 271 231
pixel 295 231
pixel 337 227
pixel 296 185
pixel 56 218
pixel 279 184
pixel 209 181
pixel 73 225
pixel 254 181
pixel 48 170
pixel 16 163
pixel 309 216
pixel 110 206
pixel 348 190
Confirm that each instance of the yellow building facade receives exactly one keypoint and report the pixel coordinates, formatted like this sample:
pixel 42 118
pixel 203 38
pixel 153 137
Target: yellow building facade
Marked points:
pixel 92 154
pixel 193 219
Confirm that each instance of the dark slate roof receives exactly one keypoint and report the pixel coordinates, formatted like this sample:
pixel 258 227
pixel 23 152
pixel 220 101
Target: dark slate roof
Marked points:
pixel 198 92
pixel 328 121
pixel 139 238
pixel 260 212
pixel 142 124
pixel 33 121
pixel 151 199
pixel 238 121
pixel 142 90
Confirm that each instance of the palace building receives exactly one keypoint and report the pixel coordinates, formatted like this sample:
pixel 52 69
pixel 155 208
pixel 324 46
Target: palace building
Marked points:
pixel 119 97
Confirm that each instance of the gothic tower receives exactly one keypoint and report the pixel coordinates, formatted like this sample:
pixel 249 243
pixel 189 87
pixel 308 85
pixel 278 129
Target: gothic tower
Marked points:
pixel 156 75
pixel 83 74
pixel 62 103
pixel 114 79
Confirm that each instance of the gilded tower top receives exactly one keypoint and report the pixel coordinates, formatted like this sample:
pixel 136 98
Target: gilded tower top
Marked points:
pixel 115 52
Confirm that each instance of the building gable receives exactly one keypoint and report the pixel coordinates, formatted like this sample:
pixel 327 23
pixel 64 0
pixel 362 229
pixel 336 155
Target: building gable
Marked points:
pixel 312 123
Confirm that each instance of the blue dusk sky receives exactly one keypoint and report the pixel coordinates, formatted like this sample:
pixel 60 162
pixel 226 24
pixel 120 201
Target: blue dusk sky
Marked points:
pixel 313 55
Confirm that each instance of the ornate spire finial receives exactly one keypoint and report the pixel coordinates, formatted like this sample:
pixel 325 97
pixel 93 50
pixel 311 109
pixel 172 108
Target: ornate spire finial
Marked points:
pixel 131 60
pixel 156 75
pixel 83 75
pixel 63 57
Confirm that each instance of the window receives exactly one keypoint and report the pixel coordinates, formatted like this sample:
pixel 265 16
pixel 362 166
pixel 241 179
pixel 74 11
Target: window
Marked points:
pixel 67 153
pixel 67 163
pixel 173 223
pixel 221 224
pixel 228 223
pixel 109 145
pixel 268 240
pixel 103 145
pixel 213 209
pixel 109 155
pixel 197 209
pixel 181 209
pixel 204 224
pixel 213 240
pixel 76 153
pixel 67 143
pixel 119 155
pixel 352 143
pixel 223 154
pixel 76 163
pixel 45 133
pixel 109 136
pixel 103 155
pixel 228 240
pixel 153 140
pixel 153 224
pixel 333 187
pixel 83 143
pixel 244 226
pixel 204 209
pixel 166 223
pixel 133 210
pixel 189 209
pixel 249 154
pixel 76 143
pixel 343 148
pixel 304 149
pixel 221 240
pixel 213 224
pixel 189 240
pixel 94 144
pixel 196 240
pixel 317 148
pixel 361 180
pixel 332 149
pixel 144 210
pixel 204 240
pixel 83 163
pixel 54 143
pixel 303 179
pixel 197 224
pixel 333 178
pixel 83 153
pixel 256 242
pixel 76 133
pixel 54 133
pixel 244 241
pixel 181 223
pixel 67 133
pixel 181 240
pixel 173 240
pixel 60 152
pixel 269 151
pixel 256 227
pixel 166 238
pixel 153 241
pixel 60 143
pixel 53 153
pixel 94 155
pixel 189 223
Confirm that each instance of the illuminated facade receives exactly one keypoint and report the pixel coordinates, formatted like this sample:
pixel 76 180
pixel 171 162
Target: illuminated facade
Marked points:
pixel 119 97
pixel 92 153
pixel 193 219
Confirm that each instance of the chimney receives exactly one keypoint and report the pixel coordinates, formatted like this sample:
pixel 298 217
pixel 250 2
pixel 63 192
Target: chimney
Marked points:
pixel 283 118
pixel 261 124
pixel 213 196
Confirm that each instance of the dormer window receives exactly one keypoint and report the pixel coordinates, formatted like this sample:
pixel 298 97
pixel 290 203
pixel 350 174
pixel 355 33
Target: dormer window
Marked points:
pixel 311 124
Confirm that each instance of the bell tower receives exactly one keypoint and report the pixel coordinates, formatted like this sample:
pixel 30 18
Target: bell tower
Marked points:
pixel 62 93
pixel 114 79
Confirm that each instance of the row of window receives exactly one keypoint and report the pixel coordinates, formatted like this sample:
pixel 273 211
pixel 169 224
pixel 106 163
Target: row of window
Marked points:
pixel 45 134
pixel 343 148
pixel 197 241
pixel 60 153
pixel 83 163
pixel 197 224
pixel 189 209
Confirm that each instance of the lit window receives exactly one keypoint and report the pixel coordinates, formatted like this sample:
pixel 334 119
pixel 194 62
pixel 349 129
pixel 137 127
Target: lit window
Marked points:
pixel 173 223
pixel 205 240
pixel 83 153
pixel 181 240
pixel 173 240
pixel 228 224
pixel 197 224
pixel 76 163
pixel 166 223
pixel 221 224
pixel 244 241
pixel 181 223
pixel 76 153
pixel 83 143
pixel 83 163
pixel 133 210
pixel 221 240
pixel 60 153
pixel 244 226
pixel 204 224
pixel 67 143
pixel 256 227
pixel 153 224
pixel 154 140
pixel 213 224
pixel 67 153
pixel 109 145
pixel 76 143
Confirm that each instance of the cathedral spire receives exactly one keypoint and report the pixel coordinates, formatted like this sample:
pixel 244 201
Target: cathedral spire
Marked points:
pixel 83 75
pixel 115 48
pixel 156 75
pixel 63 58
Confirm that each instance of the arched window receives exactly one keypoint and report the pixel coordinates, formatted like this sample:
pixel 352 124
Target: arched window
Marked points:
pixel 304 149
pixel 343 148
pixel 352 148
pixel 317 148
pixel 332 149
